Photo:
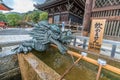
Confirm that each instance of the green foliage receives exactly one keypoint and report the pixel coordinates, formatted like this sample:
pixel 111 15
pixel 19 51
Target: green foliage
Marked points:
pixel 44 16
pixel 3 17
pixel 27 17
pixel 14 19
pixel 35 16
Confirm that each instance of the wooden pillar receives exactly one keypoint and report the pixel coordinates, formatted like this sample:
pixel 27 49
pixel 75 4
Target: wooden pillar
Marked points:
pixel 87 15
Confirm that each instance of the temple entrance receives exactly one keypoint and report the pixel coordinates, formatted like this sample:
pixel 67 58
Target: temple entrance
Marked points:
pixel 70 12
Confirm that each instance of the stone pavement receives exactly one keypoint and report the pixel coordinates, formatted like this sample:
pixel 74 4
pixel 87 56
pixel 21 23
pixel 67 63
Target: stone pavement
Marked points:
pixel 15 31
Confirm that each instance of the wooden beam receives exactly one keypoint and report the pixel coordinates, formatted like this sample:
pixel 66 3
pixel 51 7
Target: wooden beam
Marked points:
pixel 107 18
pixel 50 14
pixel 56 3
pixel 59 8
pixel 76 15
pixel 79 5
pixel 58 13
pixel 75 10
pixel 95 62
pixel 65 12
pixel 113 7
pixel 69 6
pixel 112 38
pixel 87 15
pixel 82 2
pixel 93 5
pixel 90 60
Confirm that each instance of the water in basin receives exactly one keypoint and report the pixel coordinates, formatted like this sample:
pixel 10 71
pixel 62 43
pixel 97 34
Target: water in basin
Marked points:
pixel 82 71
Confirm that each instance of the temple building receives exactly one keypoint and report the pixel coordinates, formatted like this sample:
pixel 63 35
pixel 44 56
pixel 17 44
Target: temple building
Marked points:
pixel 82 12
pixel 68 11
pixel 4 7
pixel 109 10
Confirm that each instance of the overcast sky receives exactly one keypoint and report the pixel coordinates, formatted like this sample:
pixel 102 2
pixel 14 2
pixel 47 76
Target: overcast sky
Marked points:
pixel 22 5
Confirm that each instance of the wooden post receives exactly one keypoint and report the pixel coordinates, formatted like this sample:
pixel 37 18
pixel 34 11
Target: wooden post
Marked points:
pixel 84 43
pixel 87 15
pixel 113 50
pixel 101 63
pixel 74 43
pixel 99 71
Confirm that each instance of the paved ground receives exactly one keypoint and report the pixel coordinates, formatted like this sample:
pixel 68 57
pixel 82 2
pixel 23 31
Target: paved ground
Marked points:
pixel 7 36
pixel 14 31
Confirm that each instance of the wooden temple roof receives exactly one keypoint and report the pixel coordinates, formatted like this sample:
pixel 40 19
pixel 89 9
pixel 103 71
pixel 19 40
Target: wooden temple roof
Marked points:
pixel 47 3
pixel 4 7
pixel 51 3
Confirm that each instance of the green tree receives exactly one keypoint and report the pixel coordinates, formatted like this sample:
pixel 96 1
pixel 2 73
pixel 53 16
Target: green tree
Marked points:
pixel 44 16
pixel 14 19
pixel 35 16
pixel 3 17
pixel 28 17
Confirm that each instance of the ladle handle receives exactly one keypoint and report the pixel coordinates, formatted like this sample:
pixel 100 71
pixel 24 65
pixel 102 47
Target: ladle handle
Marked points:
pixel 68 70
pixel 99 71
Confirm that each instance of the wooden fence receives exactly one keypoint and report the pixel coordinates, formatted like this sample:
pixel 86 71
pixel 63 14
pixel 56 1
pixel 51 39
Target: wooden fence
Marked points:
pixel 85 40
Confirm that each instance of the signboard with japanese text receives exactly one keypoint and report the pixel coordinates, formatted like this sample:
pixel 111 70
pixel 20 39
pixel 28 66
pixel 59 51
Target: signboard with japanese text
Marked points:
pixel 96 35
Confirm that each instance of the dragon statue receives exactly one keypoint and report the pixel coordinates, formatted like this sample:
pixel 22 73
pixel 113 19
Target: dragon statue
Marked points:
pixel 43 34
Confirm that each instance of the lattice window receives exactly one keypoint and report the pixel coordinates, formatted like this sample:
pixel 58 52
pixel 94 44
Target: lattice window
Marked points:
pixel 112 28
pixel 106 13
pixel 56 19
pixel 102 3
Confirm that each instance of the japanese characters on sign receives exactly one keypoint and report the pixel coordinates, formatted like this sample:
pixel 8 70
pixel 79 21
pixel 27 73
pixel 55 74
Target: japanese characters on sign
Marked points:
pixel 96 35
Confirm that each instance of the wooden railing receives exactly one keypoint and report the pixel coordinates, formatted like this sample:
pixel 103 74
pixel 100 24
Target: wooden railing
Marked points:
pixel 85 40
pixel 69 23
pixel 73 26
pixel 83 43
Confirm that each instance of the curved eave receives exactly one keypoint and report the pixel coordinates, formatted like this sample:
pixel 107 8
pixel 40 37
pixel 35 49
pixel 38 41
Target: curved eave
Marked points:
pixel 4 7
pixel 45 5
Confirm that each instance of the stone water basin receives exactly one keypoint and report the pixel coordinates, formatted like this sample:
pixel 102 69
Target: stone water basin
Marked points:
pixel 60 63
pixel 82 71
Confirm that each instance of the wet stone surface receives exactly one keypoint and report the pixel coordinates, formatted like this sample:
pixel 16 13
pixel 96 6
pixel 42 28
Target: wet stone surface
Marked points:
pixel 9 68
